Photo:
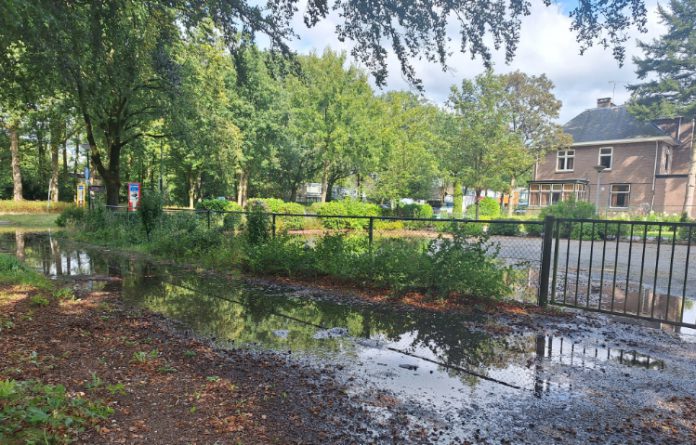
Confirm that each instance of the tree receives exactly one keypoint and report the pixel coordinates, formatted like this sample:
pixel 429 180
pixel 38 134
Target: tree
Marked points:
pixel 258 112
pixel 668 70
pixel 532 109
pixel 200 126
pixel 481 145
pixel 407 164
pixel 333 111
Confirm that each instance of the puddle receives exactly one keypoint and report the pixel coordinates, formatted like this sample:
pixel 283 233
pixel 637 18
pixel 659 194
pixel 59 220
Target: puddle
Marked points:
pixel 434 360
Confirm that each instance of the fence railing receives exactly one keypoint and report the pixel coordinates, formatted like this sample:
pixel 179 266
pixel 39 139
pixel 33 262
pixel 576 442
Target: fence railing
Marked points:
pixel 639 269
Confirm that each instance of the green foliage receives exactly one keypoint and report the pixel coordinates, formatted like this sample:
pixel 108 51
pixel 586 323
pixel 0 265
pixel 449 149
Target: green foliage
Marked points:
pixel 513 228
pixel 570 209
pixel 71 215
pixel 345 207
pixel 396 264
pixel 145 356
pixel 218 205
pixel 35 413
pixel 150 211
pixel 12 271
pixel 39 301
pixel 489 208
pixel 275 205
pixel 258 224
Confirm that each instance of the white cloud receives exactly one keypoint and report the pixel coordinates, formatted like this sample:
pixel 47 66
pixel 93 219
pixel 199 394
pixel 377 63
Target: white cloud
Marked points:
pixel 546 46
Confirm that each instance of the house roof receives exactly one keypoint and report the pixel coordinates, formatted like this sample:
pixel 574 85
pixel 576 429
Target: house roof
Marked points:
pixel 612 123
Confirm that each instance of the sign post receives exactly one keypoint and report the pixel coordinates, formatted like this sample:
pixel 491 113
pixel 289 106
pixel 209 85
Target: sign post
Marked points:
pixel 80 196
pixel 133 196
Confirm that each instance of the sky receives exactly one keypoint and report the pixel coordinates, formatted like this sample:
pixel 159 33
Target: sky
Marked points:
pixel 546 46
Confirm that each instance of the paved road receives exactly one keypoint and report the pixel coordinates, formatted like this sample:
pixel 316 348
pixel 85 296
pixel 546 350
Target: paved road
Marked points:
pixel 637 266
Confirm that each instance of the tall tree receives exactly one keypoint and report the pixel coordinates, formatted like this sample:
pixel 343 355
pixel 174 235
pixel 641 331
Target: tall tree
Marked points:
pixel 407 135
pixel 334 113
pixel 668 72
pixel 532 109
pixel 482 147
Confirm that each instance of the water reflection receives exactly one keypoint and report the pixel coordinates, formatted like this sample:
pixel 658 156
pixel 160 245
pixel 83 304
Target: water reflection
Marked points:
pixel 420 353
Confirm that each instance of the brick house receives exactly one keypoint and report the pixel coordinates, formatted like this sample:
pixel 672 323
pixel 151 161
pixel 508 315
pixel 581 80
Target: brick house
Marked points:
pixel 647 165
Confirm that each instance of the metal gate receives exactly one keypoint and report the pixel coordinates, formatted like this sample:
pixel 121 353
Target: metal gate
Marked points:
pixel 640 269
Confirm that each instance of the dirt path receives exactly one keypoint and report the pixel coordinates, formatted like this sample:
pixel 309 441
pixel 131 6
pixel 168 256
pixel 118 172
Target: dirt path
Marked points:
pixel 166 388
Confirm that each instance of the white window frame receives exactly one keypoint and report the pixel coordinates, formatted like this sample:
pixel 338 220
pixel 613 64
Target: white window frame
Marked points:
pixel 612 193
pixel 611 157
pixel 566 156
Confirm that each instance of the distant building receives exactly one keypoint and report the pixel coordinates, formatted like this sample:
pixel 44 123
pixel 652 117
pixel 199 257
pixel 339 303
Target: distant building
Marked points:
pixel 646 164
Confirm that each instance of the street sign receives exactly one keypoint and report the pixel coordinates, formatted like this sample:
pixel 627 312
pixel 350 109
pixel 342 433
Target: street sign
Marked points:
pixel 86 173
pixel 80 195
pixel 133 196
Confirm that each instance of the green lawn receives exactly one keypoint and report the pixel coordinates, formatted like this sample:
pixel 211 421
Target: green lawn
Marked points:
pixel 28 222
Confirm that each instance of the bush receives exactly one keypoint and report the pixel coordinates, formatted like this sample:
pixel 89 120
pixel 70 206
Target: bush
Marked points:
pixel 281 255
pixel 424 211
pixel 258 224
pixel 467 267
pixel 71 215
pixel 284 223
pixel 489 208
pixel 218 205
pixel 570 209
pixel 505 228
pixel 533 228
pixel 150 211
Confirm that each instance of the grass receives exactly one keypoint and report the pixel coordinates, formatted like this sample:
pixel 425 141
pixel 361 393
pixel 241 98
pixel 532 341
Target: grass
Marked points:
pixel 9 206
pixel 13 272
pixel 27 222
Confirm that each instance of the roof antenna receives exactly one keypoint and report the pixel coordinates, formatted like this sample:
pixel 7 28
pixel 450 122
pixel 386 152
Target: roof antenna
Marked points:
pixel 613 89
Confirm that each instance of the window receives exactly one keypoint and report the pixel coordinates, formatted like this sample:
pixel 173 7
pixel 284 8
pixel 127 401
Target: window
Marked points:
pixel 566 159
pixel 606 157
pixel 620 195
pixel 542 195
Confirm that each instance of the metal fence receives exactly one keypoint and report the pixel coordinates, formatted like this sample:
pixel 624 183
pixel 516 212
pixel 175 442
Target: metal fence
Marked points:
pixel 639 269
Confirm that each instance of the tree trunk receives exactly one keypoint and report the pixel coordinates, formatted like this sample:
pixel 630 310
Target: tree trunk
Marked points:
pixel 242 189
pixel 113 187
pixel 513 186
pixel 65 157
pixel 55 172
pixel 458 200
pixel 16 171
pixel 329 189
pixel 77 159
pixel 19 245
pixel 325 182
pixel 689 199
pixel 477 203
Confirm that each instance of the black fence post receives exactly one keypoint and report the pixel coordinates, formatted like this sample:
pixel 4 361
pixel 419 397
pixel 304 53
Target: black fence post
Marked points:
pixel 208 219
pixel 370 229
pixel 273 224
pixel 546 259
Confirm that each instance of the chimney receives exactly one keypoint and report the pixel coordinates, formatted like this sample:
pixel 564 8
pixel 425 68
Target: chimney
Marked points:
pixel 604 102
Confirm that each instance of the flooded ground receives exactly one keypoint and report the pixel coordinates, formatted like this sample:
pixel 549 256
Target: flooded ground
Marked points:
pixel 527 379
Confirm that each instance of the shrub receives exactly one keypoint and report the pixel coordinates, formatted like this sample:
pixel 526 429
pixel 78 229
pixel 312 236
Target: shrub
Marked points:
pixel 281 255
pixel 467 266
pixel 489 208
pixel 150 211
pixel 532 229
pixel 330 209
pixel 279 206
pixel 217 205
pixel 576 229
pixel 424 211
pixel 505 228
pixel 570 209
pixel 71 215
pixel 258 224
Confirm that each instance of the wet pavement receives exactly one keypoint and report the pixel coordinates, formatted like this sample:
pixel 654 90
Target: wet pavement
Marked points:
pixel 445 377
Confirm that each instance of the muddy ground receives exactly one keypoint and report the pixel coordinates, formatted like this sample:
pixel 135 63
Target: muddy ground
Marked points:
pixel 259 360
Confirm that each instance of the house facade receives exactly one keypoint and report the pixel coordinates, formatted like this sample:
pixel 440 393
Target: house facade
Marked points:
pixel 619 163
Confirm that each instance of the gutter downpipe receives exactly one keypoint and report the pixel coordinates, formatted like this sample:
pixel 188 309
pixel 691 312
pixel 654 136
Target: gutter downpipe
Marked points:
pixel 652 199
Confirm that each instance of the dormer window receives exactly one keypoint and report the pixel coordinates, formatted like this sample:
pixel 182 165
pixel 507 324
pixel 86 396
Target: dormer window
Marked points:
pixel 606 157
pixel 565 160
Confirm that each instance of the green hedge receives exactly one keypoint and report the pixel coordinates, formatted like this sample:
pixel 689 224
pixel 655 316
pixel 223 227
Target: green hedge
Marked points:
pixel 489 208
pixel 346 207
